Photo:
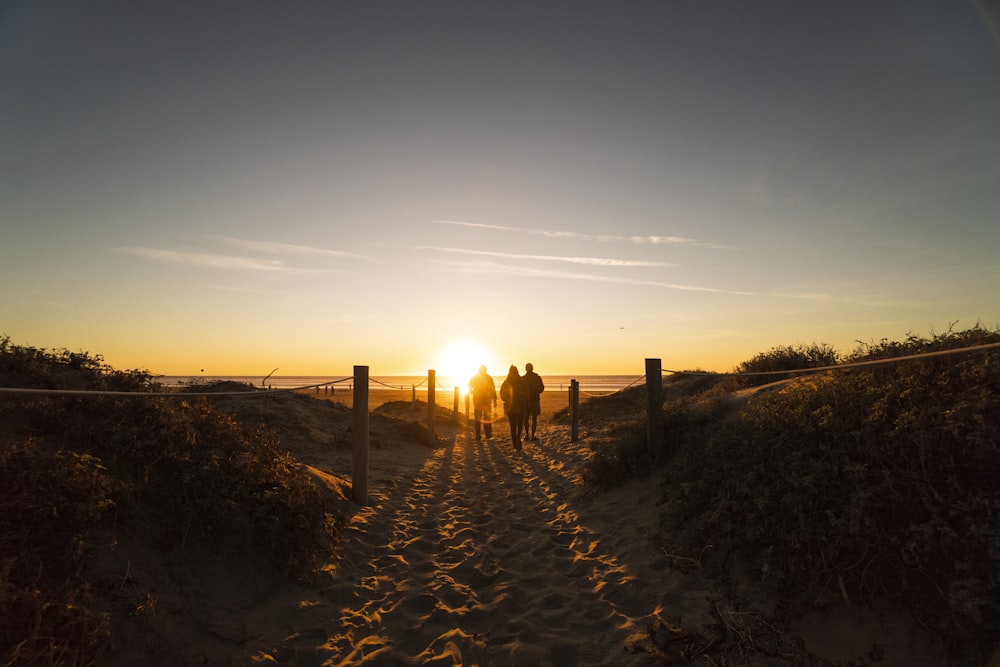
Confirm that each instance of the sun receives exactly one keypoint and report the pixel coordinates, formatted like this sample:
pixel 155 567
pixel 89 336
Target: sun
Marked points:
pixel 457 362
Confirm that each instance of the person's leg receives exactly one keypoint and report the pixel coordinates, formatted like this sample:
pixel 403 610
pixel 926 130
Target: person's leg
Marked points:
pixel 477 413
pixel 515 423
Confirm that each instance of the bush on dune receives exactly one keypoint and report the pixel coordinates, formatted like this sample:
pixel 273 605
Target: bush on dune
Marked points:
pixel 51 502
pixel 877 482
pixel 176 470
pixel 766 367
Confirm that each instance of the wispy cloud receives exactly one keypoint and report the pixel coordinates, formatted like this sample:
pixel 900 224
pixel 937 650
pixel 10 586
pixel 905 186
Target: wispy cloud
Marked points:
pixel 592 261
pixel 277 248
pixel 267 260
pixel 534 272
pixel 207 260
pixel 555 234
pixel 529 272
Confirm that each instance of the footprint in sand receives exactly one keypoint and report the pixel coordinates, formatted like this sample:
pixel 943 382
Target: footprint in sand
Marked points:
pixel 480 555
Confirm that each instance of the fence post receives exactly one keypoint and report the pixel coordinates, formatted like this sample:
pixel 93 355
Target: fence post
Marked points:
pixel 456 402
pixel 359 460
pixel 574 410
pixel 413 399
pixel 654 409
pixel 431 400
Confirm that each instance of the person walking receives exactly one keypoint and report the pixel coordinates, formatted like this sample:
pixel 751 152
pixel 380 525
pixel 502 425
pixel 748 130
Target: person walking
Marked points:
pixel 535 388
pixel 484 397
pixel 514 392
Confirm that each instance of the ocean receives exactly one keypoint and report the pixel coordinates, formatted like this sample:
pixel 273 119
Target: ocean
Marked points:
pixel 588 383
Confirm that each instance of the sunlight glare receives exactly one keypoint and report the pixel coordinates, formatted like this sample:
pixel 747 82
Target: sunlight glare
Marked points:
pixel 460 360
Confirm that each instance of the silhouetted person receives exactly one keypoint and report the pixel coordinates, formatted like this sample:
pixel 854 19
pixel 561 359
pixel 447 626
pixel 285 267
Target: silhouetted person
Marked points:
pixel 514 392
pixel 535 388
pixel 484 396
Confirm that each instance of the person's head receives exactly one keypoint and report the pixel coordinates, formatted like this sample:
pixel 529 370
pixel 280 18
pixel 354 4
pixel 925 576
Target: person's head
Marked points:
pixel 513 370
pixel 529 366
pixel 482 369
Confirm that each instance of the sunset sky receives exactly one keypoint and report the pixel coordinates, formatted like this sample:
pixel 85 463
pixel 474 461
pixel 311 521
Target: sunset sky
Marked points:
pixel 242 186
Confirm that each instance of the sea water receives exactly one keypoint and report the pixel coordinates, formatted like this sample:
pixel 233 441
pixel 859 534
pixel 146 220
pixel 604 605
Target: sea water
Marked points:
pixel 588 383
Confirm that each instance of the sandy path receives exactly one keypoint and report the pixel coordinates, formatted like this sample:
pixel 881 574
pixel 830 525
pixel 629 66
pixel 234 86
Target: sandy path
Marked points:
pixel 472 554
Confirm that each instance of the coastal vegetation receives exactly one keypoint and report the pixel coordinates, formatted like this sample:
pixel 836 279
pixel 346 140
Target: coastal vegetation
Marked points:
pixel 85 475
pixel 867 485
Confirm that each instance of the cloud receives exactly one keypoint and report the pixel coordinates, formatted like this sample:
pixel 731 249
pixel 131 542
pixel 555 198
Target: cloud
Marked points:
pixel 990 11
pixel 660 240
pixel 529 272
pixel 277 248
pixel 206 260
pixel 601 238
pixel 245 263
pixel 534 272
pixel 592 261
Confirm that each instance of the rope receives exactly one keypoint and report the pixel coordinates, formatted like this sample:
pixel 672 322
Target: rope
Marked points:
pixel 390 386
pixel 873 362
pixel 444 388
pixel 163 394
pixel 617 391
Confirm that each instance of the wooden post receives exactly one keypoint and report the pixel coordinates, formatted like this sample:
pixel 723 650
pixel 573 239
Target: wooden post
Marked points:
pixel 655 440
pixel 467 397
pixel 359 459
pixel 431 400
pixel 456 402
pixel 574 410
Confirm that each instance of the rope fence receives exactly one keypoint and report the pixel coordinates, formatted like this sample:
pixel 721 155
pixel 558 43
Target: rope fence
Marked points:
pixel 631 384
pixel 165 394
pixel 362 381
pixel 392 386
pixel 855 364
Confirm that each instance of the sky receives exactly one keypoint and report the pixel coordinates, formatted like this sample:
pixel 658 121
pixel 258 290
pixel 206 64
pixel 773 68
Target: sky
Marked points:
pixel 232 187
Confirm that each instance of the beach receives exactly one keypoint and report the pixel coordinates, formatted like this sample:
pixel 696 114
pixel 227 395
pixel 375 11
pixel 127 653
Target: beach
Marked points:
pixel 472 554
pixel 469 553
pixel 552 400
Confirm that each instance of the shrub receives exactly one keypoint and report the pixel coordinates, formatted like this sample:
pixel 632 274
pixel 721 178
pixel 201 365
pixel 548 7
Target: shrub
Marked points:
pixel 185 471
pixel 878 481
pixel 785 358
pixel 51 502
pixel 615 463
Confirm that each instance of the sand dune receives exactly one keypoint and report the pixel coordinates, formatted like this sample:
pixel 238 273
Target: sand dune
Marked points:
pixel 474 554
pixel 469 553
